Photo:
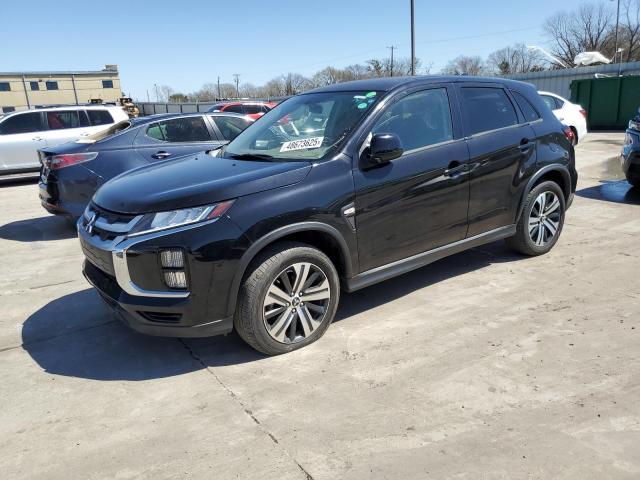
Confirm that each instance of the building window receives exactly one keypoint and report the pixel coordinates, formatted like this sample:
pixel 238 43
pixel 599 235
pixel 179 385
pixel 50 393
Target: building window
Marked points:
pixel 52 85
pixel 5 87
pixel 107 83
pixel 34 85
pixel 8 109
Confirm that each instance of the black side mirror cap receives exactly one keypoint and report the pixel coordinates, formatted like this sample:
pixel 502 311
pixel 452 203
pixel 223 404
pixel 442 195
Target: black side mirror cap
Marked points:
pixel 384 147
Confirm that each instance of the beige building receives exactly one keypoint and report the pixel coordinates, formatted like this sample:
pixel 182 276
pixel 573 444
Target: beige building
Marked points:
pixel 24 90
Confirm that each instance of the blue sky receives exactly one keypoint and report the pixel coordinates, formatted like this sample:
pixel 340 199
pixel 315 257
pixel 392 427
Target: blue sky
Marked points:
pixel 188 43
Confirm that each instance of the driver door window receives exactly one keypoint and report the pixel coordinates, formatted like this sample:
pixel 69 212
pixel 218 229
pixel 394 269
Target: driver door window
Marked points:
pixel 420 119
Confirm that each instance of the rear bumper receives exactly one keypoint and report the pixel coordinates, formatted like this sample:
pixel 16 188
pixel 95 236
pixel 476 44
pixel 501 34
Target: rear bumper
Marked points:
pixel 52 203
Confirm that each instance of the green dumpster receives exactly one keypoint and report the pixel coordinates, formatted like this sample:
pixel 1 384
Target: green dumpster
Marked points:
pixel 609 102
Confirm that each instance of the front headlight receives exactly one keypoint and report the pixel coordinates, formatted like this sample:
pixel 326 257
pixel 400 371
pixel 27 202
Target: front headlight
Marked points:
pixel 634 124
pixel 153 222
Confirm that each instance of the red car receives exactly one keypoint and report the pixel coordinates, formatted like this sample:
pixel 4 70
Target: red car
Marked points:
pixel 251 109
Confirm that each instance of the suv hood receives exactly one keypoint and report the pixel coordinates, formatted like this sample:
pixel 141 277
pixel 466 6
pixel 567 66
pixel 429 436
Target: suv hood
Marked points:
pixel 192 181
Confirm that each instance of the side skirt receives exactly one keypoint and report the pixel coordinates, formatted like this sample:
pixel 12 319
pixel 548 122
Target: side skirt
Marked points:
pixel 400 267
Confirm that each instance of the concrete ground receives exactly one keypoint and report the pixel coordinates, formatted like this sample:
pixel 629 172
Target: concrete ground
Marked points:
pixel 483 365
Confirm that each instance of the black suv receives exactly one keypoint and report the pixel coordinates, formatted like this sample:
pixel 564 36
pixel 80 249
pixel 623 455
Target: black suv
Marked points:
pixel 341 187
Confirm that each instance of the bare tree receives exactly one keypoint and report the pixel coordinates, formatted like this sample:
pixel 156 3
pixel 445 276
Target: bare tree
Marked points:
pixel 464 65
pixel 164 92
pixel 515 59
pixel 586 29
pixel 629 36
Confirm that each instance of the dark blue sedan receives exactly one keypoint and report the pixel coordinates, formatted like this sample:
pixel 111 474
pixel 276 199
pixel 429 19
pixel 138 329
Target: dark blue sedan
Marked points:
pixel 631 152
pixel 72 172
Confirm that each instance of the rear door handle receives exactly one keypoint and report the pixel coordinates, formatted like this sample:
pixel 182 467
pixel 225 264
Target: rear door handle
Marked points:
pixel 161 154
pixel 525 144
pixel 455 169
pixel 37 139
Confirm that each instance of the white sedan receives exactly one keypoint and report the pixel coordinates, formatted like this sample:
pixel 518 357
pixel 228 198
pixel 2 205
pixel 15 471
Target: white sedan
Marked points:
pixel 23 133
pixel 570 114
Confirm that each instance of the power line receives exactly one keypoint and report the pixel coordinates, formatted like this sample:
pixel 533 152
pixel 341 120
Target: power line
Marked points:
pixel 379 49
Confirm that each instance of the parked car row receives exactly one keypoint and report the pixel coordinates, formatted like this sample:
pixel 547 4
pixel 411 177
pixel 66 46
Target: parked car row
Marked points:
pixel 72 172
pixel 337 188
pixel 22 134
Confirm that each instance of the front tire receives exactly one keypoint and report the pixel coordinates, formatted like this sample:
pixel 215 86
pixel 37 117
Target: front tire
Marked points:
pixel 633 180
pixel 541 221
pixel 288 299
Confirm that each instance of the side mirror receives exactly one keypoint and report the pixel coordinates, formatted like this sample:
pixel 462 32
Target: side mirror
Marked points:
pixel 384 148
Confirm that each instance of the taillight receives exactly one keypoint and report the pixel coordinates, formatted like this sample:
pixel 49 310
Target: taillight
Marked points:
pixel 583 112
pixel 66 160
pixel 568 132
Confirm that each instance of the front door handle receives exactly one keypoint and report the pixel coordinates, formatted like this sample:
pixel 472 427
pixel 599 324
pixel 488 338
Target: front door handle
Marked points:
pixel 454 169
pixel 161 154
pixel 37 139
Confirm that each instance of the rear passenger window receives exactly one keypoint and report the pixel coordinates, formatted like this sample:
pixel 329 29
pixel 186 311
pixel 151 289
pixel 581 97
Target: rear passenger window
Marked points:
pixel 419 119
pixel 235 108
pixel 189 129
pixel 63 119
pixel 529 112
pixel 100 117
pixel 487 108
pixel 252 109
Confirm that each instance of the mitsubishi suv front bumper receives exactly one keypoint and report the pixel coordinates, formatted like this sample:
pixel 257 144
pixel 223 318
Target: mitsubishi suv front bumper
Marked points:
pixel 153 282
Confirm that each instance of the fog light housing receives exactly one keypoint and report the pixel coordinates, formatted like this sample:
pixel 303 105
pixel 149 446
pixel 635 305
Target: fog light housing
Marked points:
pixel 172 259
pixel 175 279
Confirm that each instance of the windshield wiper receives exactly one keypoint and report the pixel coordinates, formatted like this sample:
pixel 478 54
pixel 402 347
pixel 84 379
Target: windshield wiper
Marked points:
pixel 251 156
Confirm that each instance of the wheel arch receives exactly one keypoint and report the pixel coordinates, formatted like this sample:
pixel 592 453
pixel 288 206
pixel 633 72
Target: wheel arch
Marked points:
pixel 555 173
pixel 326 238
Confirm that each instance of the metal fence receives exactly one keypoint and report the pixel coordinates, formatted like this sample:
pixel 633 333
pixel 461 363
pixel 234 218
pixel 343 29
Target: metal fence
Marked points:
pixel 559 81
pixel 152 108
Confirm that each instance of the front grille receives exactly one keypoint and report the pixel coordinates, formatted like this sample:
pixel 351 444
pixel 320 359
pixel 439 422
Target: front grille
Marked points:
pixel 99 258
pixel 161 317
pixel 106 224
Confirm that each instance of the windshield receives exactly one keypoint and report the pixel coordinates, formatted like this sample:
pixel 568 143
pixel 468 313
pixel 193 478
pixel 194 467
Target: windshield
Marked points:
pixel 305 127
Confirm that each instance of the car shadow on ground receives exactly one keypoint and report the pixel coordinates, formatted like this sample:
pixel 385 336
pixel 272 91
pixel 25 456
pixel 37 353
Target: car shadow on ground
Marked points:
pixel 39 229
pixel 78 336
pixel 618 191
pixel 9 181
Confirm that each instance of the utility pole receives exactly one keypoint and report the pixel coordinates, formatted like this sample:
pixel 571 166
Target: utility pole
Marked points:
pixel 157 94
pixel 219 96
pixel 392 48
pixel 237 77
pixel 615 48
pixel 148 99
pixel 413 41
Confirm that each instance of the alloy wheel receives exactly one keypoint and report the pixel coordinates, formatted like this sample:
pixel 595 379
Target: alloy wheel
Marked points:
pixel 296 303
pixel 544 219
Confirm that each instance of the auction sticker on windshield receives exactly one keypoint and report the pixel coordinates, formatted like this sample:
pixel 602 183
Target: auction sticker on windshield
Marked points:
pixel 313 142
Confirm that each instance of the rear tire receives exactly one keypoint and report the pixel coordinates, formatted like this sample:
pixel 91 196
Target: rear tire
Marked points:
pixel 288 298
pixel 541 221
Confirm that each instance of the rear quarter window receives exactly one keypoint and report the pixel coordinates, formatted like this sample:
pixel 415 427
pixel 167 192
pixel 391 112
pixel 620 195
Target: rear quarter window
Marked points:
pixel 527 109
pixel 99 117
